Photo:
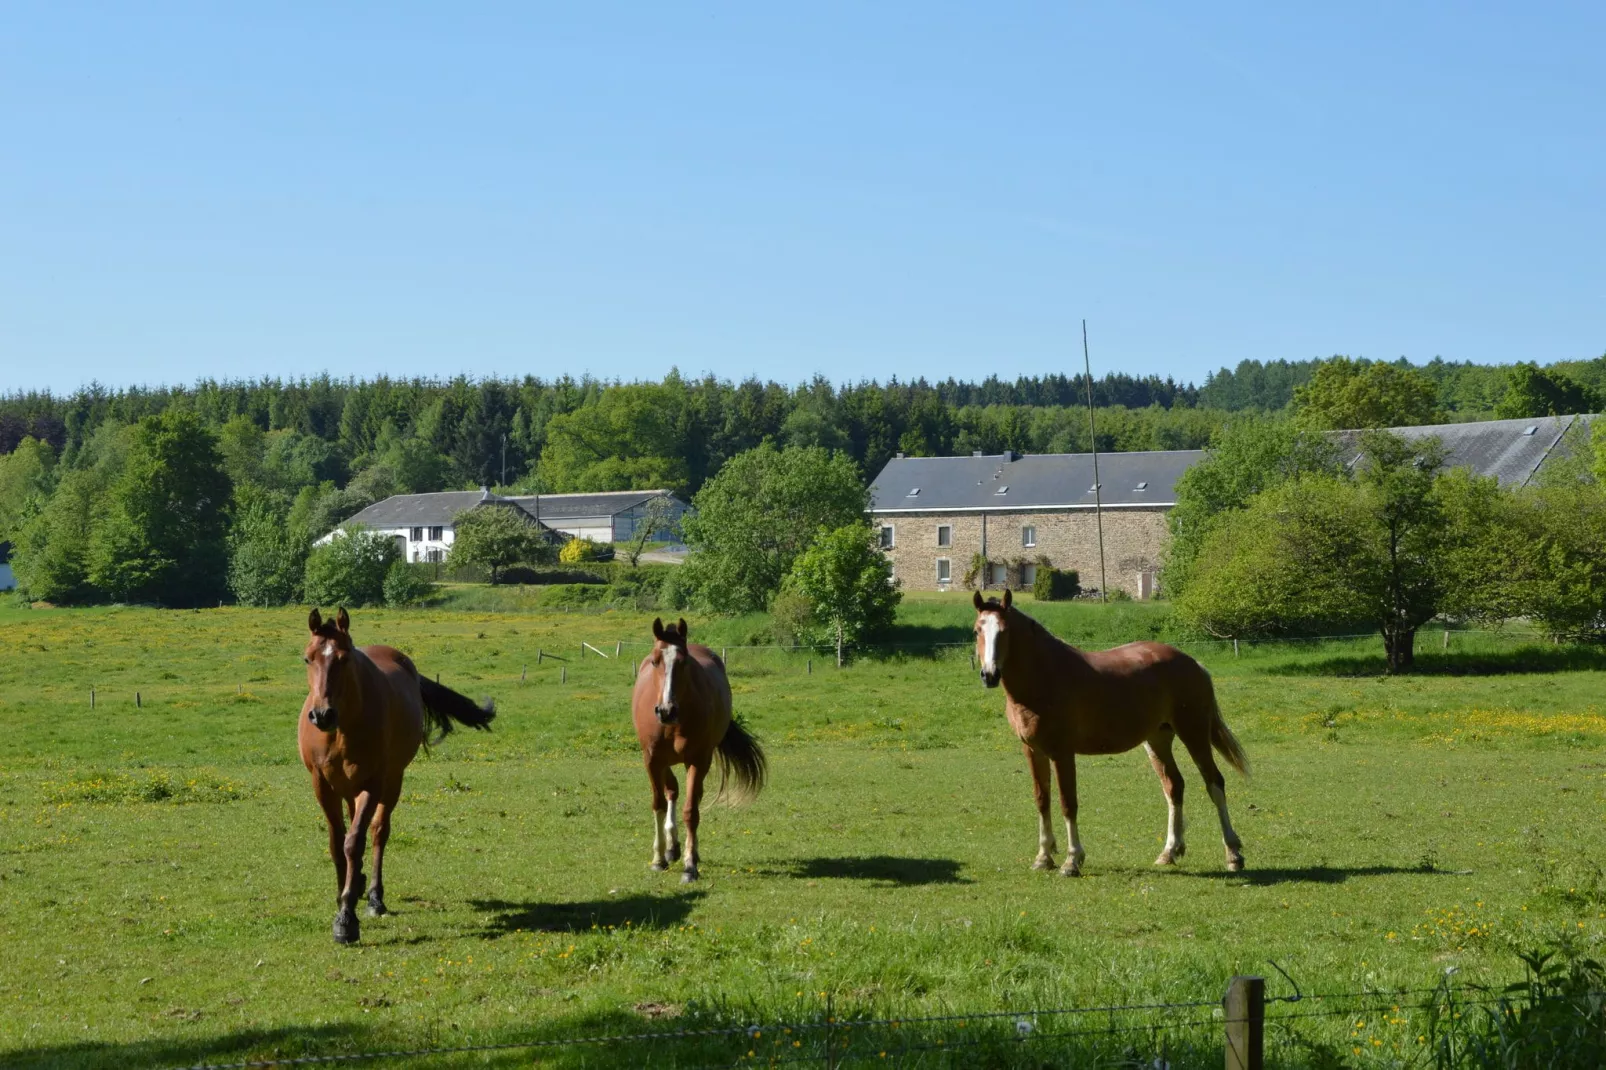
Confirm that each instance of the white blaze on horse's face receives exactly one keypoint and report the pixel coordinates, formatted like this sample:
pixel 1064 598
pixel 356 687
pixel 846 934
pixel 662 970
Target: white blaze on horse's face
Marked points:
pixel 990 627
pixel 666 709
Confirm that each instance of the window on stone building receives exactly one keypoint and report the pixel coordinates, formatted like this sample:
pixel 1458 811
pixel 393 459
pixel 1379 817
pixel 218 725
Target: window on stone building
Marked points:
pixel 945 535
pixel 886 536
pixel 1028 575
pixel 1028 535
pixel 944 570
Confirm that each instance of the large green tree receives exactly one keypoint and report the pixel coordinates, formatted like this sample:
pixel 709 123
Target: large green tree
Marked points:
pixel 162 536
pixel 1533 391
pixel 493 537
pixel 267 555
pixel 1248 456
pixel 1345 394
pixel 631 438
pixel 848 584
pixel 752 520
pixel 1390 548
pixel 27 476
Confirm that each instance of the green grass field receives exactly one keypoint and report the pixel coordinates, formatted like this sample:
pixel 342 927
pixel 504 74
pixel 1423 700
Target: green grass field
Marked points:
pixel 165 895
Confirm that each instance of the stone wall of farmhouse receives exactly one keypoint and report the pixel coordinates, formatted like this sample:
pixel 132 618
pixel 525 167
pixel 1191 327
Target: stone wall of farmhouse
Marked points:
pixel 1133 542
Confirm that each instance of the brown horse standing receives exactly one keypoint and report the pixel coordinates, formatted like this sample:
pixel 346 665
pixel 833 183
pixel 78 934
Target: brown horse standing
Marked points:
pixel 1063 702
pixel 362 723
pixel 682 708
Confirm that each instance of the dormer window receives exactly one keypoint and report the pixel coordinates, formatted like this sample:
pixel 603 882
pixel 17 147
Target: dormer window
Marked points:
pixel 913 492
pixel 1094 488
pixel 1002 490
pixel 1531 430
pixel 1143 486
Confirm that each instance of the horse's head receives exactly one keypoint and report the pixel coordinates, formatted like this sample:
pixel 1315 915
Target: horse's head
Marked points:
pixel 328 658
pixel 992 636
pixel 668 659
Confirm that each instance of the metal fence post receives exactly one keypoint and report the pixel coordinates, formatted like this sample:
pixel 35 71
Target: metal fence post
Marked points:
pixel 1245 1006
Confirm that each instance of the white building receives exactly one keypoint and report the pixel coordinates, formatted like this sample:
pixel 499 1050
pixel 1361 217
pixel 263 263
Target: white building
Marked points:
pixel 422 524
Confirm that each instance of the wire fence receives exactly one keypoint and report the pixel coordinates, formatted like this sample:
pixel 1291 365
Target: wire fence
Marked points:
pixel 1420 1026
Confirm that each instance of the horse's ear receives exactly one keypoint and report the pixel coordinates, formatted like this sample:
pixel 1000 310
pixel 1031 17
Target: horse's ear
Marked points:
pixel 658 628
pixel 682 629
pixel 314 621
pixel 975 599
pixel 343 622
pixel 1007 599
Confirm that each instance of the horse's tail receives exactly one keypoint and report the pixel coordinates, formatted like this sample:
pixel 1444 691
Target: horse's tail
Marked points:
pixel 442 706
pixel 1224 741
pixel 741 753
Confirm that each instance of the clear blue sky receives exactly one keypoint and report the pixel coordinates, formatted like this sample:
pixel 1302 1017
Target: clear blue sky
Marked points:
pixel 859 190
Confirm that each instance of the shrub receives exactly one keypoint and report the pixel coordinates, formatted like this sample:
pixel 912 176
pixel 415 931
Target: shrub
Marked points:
pixel 405 585
pixel 579 550
pixel 792 618
pixel 574 595
pixel 494 537
pixel 350 569
pixel 1056 584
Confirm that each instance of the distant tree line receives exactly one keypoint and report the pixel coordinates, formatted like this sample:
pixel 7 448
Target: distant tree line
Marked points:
pixel 187 494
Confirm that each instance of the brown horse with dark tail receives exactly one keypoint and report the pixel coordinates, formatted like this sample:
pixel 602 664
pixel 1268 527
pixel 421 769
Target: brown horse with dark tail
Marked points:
pixel 1063 702
pixel 362 723
pixel 682 710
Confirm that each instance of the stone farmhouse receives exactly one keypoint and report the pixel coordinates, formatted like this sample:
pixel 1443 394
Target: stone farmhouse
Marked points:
pixel 1011 513
pixel 422 524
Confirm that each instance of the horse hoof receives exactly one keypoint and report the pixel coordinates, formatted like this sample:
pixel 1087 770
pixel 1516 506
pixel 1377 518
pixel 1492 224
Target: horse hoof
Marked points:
pixel 658 867
pixel 347 929
pixel 1070 869
pixel 688 876
pixel 674 853
pixel 1043 863
pixel 1235 865
pixel 1168 858
pixel 376 909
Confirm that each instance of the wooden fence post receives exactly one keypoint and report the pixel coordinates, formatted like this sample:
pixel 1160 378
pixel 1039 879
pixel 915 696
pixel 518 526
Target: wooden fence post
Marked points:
pixel 564 677
pixel 91 698
pixel 540 655
pixel 1235 648
pixel 809 672
pixel 1447 637
pixel 524 671
pixel 618 645
pixel 137 704
pixel 1245 1007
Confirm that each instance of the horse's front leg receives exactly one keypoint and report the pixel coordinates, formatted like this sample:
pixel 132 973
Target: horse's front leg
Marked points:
pixel 696 773
pixel 1041 789
pixel 381 826
pixel 1065 768
pixel 661 819
pixel 671 834
pixel 330 804
pixel 347 929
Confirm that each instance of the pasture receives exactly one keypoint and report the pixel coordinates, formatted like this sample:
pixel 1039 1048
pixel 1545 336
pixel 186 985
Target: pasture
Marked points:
pixel 165 893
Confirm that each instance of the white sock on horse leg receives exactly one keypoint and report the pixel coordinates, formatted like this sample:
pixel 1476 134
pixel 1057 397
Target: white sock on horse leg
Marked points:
pixel 1074 840
pixel 1045 836
pixel 1218 795
pixel 1174 826
pixel 658 845
pixel 671 840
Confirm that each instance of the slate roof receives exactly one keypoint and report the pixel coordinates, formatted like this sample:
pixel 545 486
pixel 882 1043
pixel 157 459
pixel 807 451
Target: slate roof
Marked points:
pixel 598 504
pixel 422 510
pixel 1510 450
pixel 1014 482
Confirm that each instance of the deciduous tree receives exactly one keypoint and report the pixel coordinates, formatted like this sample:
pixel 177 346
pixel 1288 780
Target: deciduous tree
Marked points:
pixel 848 583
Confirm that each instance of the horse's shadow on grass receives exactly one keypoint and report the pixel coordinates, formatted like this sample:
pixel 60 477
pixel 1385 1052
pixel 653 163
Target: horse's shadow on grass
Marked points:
pixel 1313 874
pixel 882 869
pixel 615 912
pixel 256 1044
pixel 1525 660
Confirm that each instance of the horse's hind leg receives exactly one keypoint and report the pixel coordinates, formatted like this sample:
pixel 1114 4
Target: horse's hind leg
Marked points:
pixel 1041 789
pixel 671 836
pixel 1065 769
pixel 1198 744
pixel 1165 767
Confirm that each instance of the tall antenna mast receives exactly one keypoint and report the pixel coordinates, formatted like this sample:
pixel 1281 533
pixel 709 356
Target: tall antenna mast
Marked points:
pixel 1093 442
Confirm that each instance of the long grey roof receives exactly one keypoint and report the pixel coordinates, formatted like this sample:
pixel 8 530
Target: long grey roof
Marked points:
pixel 597 504
pixel 1035 481
pixel 1510 450
pixel 424 510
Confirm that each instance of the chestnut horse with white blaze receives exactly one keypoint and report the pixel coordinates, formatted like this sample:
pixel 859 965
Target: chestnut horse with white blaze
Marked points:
pixel 682 709
pixel 1063 702
pixel 362 723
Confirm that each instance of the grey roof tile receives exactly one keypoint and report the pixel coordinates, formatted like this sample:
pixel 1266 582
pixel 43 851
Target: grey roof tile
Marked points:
pixel 1031 481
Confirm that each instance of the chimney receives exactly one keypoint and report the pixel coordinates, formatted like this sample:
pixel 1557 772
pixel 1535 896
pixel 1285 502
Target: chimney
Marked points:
pixel 977 453
pixel 1011 455
pixel 900 455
